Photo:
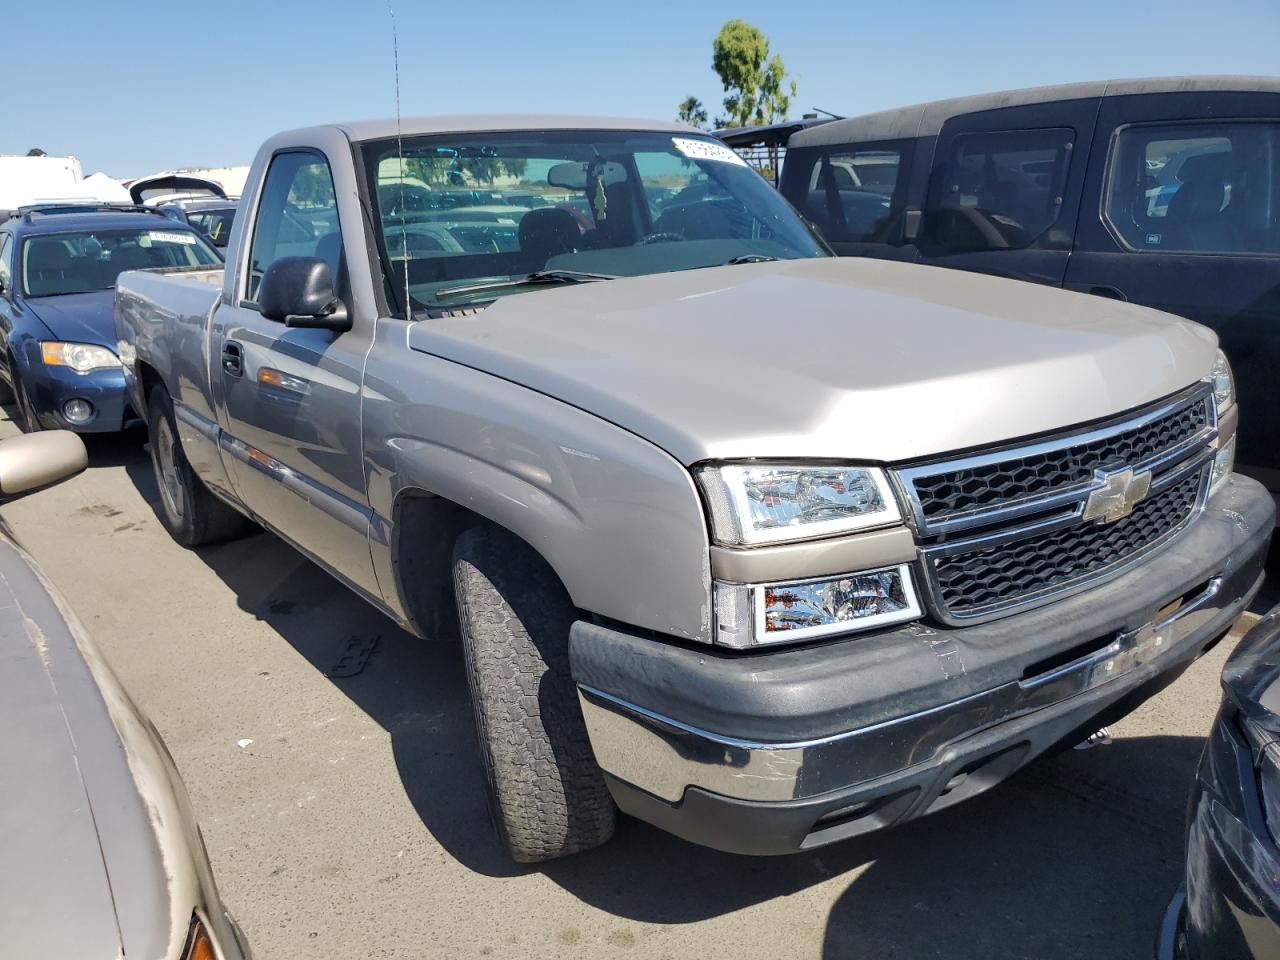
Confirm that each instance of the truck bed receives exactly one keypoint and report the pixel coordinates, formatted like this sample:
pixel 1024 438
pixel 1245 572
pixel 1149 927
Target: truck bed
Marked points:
pixel 161 319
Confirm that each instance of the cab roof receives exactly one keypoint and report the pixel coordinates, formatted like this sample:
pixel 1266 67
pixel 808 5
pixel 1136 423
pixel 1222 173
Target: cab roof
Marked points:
pixel 359 130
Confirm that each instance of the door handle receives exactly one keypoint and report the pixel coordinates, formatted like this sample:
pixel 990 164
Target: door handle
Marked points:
pixel 233 359
pixel 1113 293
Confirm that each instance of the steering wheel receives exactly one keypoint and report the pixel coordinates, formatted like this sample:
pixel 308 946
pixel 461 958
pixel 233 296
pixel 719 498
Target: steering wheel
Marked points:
pixel 662 236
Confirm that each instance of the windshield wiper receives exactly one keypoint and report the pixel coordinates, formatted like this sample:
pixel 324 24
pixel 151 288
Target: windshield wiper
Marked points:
pixel 530 279
pixel 749 258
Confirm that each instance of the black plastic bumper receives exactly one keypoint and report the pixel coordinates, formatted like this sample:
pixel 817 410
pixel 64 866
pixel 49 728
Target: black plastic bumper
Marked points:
pixel 760 710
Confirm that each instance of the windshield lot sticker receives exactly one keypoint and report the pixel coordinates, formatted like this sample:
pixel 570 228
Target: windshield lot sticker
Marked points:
pixel 702 150
pixel 158 237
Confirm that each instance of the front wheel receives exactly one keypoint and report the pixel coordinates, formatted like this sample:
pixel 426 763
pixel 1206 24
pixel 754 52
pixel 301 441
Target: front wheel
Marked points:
pixel 28 422
pixel 190 513
pixel 547 794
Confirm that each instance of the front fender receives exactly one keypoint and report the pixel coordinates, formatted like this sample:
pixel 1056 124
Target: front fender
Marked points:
pixel 618 519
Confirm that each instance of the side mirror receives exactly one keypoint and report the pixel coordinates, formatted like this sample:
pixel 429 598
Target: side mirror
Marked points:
pixel 36 460
pixel 298 292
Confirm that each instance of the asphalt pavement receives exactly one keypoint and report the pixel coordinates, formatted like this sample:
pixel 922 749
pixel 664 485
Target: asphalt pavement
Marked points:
pixel 330 758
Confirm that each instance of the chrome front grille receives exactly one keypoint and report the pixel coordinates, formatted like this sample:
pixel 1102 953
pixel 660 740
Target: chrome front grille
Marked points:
pixel 1006 530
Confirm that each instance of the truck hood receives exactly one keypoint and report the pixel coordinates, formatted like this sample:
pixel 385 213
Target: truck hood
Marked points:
pixel 827 358
pixel 78 317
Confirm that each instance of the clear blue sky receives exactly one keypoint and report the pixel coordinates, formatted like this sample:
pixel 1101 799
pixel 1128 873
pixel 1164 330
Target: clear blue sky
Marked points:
pixel 133 86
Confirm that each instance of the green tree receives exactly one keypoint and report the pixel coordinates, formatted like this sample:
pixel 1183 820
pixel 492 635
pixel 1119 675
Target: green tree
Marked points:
pixel 692 112
pixel 757 89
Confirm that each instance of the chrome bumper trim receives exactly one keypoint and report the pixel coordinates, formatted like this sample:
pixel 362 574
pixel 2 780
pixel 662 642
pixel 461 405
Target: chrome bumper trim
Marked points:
pixel 664 757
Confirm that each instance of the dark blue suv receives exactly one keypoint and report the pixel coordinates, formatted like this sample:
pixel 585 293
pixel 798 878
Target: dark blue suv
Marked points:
pixel 57 281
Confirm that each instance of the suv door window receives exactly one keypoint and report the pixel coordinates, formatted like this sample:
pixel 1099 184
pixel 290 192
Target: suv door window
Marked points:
pixel 853 193
pixel 1195 187
pixel 297 216
pixel 999 190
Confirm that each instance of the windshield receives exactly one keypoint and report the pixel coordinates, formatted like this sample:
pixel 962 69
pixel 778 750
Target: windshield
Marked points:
pixel 81 262
pixel 457 210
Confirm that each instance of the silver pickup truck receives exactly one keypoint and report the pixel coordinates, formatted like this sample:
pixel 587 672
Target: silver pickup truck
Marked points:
pixel 762 546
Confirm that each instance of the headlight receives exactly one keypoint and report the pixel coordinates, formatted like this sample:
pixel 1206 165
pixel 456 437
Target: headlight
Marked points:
pixel 752 615
pixel 769 503
pixel 80 357
pixel 1224 384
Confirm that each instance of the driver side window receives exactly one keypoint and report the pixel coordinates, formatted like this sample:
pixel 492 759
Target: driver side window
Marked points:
pixel 297 216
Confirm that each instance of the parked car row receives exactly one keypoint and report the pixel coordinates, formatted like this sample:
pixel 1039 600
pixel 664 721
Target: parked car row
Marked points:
pixel 764 546
pixel 58 270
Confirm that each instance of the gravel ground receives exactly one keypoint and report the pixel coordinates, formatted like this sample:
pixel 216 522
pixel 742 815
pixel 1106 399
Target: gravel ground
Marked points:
pixel 351 824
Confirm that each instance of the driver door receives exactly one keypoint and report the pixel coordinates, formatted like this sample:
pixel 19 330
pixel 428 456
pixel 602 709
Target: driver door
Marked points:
pixel 290 410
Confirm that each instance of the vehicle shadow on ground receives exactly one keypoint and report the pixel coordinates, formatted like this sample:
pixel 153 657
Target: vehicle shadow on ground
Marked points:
pixel 1074 857
pixel 1077 856
pixel 105 449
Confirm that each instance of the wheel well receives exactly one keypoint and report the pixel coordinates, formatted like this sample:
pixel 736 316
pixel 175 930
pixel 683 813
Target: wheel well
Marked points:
pixel 425 528
pixel 147 378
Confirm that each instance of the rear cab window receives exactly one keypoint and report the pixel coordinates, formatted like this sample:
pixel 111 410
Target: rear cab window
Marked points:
pixel 999 190
pixel 1195 187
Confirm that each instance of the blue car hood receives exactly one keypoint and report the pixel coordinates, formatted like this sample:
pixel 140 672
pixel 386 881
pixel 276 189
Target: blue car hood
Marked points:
pixel 78 317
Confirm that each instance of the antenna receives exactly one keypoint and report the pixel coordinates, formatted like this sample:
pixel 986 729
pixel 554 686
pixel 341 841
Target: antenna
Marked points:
pixel 404 232
pixel 833 116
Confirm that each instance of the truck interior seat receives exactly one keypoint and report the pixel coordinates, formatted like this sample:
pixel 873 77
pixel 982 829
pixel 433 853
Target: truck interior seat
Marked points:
pixel 700 220
pixel 1195 218
pixel 329 249
pixel 548 232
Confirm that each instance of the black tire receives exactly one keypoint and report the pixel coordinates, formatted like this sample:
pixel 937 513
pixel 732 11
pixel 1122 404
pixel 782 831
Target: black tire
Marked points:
pixel 192 515
pixel 547 795
pixel 6 392
pixel 28 422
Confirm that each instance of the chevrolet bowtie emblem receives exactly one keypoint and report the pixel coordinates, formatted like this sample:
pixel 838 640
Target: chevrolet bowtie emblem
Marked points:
pixel 1121 491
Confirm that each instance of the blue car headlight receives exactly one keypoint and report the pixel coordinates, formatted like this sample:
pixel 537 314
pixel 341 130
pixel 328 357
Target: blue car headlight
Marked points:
pixel 80 357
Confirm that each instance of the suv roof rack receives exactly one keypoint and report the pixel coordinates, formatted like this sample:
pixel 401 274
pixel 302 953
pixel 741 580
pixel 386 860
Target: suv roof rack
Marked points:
pixel 37 211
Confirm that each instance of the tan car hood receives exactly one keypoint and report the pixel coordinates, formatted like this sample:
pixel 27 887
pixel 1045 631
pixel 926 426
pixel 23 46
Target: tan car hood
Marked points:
pixel 857 359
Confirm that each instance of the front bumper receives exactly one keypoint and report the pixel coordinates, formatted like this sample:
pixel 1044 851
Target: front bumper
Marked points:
pixel 784 750
pixel 50 387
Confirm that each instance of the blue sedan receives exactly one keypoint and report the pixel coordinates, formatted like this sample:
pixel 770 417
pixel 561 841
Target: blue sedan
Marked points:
pixel 57 283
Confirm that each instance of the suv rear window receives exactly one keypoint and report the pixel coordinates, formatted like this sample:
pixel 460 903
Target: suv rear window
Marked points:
pixel 998 191
pixel 1196 187
pixel 851 193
